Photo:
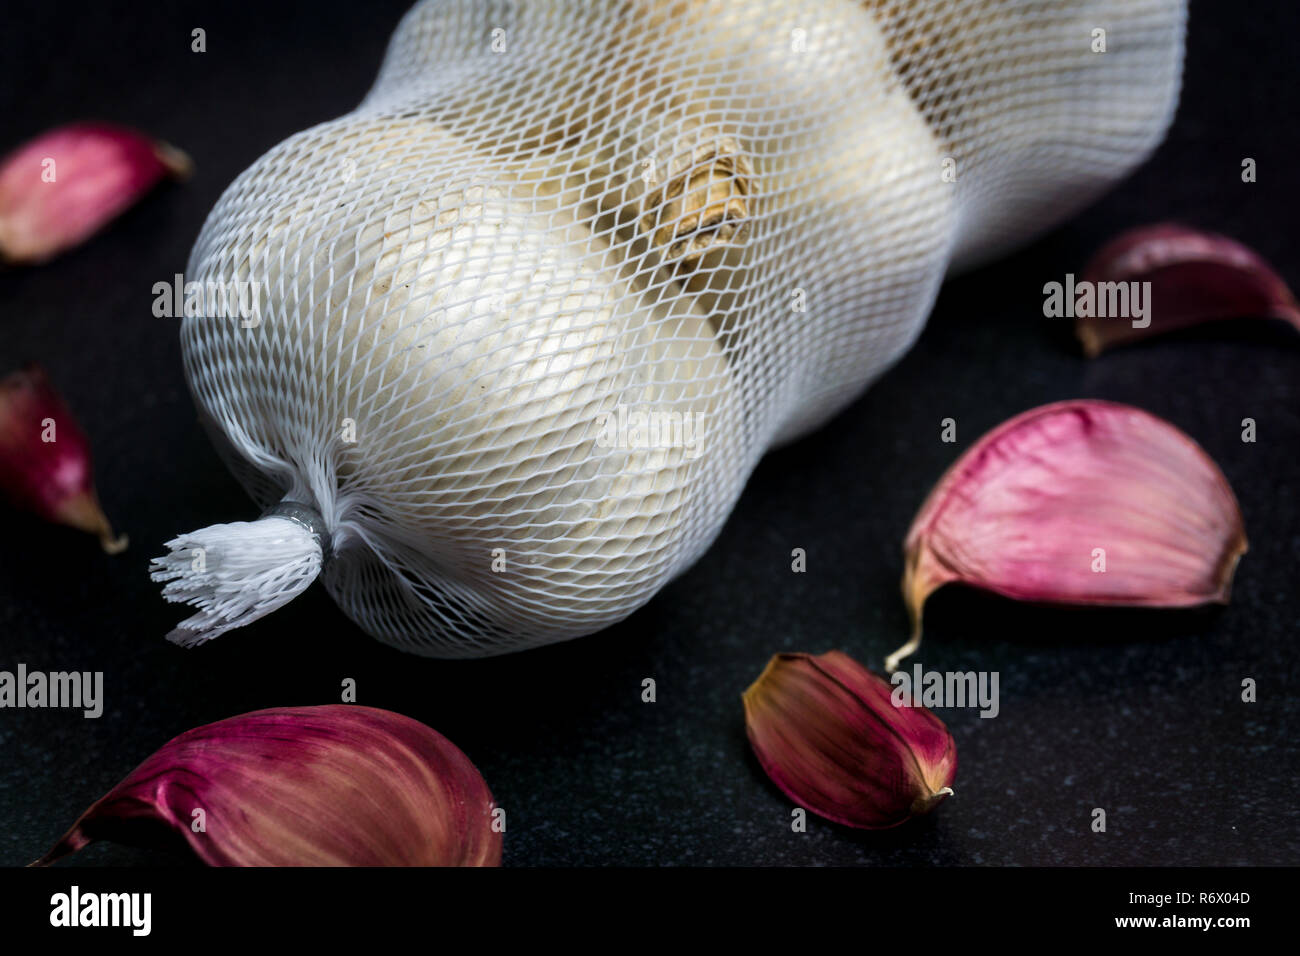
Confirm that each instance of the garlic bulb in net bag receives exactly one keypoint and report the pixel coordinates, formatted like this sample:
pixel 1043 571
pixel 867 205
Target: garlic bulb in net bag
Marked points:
pixel 526 319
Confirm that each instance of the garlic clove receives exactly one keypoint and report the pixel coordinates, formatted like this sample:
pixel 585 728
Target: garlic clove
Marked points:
pixel 828 734
pixel 59 189
pixel 331 785
pixel 1195 277
pixel 45 461
pixel 1080 502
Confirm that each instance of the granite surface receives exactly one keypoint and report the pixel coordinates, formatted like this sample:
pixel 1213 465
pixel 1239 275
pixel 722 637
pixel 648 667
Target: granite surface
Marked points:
pixel 1136 712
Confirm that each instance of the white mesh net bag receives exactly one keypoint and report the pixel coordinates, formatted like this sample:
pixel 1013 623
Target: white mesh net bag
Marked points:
pixel 526 319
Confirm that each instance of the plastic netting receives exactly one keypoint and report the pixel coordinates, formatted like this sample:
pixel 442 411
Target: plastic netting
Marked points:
pixel 528 317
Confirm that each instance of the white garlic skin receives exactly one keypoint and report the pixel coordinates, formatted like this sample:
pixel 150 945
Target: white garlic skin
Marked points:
pixel 480 345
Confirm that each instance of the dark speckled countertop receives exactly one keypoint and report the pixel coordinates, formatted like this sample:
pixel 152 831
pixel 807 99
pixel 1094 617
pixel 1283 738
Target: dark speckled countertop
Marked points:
pixel 1138 713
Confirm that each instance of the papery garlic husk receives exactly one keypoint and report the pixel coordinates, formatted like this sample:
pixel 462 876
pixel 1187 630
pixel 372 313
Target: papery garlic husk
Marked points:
pixel 1080 502
pixel 61 187
pixel 45 463
pixel 331 785
pixel 828 734
pixel 1195 277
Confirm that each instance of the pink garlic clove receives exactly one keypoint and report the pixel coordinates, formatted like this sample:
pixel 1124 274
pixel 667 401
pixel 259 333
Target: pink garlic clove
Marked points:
pixel 828 734
pixel 1081 502
pixel 59 189
pixel 1195 277
pixel 332 785
pixel 45 462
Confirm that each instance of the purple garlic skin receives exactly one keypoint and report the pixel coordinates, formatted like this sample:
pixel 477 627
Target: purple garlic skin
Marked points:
pixel 1195 277
pixel 828 734
pixel 45 463
pixel 62 187
pixel 1080 502
pixel 331 785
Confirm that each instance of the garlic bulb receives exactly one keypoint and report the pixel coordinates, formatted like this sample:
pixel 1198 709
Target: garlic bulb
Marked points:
pixel 482 355
pixel 530 314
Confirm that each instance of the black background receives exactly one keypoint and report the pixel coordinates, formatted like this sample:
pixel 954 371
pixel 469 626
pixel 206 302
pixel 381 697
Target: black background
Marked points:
pixel 1138 713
